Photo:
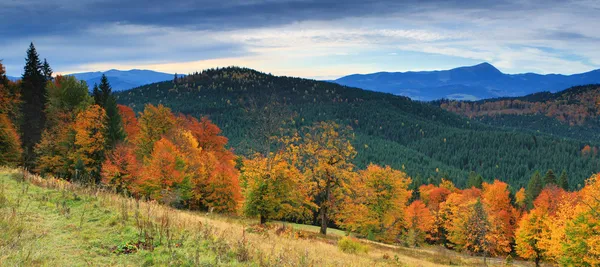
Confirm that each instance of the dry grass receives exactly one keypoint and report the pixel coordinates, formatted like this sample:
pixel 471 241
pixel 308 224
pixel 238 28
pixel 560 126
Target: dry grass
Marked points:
pixel 228 240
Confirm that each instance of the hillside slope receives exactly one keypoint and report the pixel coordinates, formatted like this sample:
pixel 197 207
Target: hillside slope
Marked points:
pixel 49 222
pixel 465 83
pixel 425 141
pixel 571 113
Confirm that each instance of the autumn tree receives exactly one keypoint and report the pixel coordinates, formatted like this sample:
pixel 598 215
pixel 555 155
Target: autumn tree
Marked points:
pixel 376 203
pixel 10 98
pixel 90 140
pixel 67 97
pixel 218 186
pixel 501 216
pixel 325 154
pixel 477 230
pixel 454 215
pixel 580 244
pixel 121 168
pixel 433 197
pixel 154 122
pixel 10 144
pixel 163 172
pixel 419 221
pixel 273 189
pixel 130 123
pixel 528 236
pixel 521 199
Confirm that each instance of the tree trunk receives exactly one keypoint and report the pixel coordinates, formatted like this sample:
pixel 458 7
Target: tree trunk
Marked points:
pixel 537 261
pixel 324 220
pixel 324 209
pixel 263 219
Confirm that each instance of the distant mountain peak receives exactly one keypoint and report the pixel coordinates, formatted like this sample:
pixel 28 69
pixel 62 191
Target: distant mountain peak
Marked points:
pixel 484 67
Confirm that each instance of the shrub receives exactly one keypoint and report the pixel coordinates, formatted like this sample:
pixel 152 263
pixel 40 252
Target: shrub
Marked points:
pixel 351 245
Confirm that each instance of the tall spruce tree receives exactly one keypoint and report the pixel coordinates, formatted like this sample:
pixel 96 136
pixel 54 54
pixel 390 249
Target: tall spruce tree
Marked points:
pixel 534 187
pixel 47 71
pixel 474 180
pixel 97 95
pixel 549 178
pixel 105 90
pixel 33 97
pixel 563 180
pixel 103 97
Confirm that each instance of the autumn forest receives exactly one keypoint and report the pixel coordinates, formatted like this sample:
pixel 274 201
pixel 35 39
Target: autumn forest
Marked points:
pixel 386 169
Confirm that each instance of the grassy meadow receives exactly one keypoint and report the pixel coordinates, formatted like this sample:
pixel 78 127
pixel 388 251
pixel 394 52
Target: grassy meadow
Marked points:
pixel 49 222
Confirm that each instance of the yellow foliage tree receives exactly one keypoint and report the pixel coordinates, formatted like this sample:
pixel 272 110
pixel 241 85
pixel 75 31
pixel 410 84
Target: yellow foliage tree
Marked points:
pixel 90 141
pixel 376 204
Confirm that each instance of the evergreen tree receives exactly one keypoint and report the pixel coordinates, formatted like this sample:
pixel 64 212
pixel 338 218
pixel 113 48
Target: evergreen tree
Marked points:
pixel 105 90
pixel 534 187
pixel 47 71
pixel 115 132
pixel 3 78
pixel 103 97
pixel 563 180
pixel 97 95
pixel 33 97
pixel 474 180
pixel 549 178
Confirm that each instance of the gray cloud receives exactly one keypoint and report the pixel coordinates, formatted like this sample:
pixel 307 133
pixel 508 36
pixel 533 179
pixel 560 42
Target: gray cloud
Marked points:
pixel 73 33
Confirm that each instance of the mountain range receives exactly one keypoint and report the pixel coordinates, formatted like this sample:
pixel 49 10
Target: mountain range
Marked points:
pixel 120 80
pixel 123 80
pixel 476 82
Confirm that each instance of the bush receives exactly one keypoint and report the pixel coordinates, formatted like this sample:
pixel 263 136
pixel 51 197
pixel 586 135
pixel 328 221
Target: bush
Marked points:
pixel 351 245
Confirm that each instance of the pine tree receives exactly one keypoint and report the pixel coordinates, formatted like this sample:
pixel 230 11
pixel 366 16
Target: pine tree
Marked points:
pixel 563 180
pixel 549 178
pixel 33 96
pixel 96 95
pixel 47 71
pixel 115 131
pixel 104 98
pixel 534 187
pixel 105 90
pixel 474 180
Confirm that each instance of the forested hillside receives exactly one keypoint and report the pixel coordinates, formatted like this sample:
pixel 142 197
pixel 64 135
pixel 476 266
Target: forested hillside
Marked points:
pixel 423 140
pixel 571 113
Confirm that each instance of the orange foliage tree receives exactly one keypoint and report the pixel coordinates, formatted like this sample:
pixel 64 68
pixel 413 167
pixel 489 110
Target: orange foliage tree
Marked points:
pixel 419 221
pixel 129 121
pixel 120 169
pixel 501 216
pixel 162 173
pixel 10 144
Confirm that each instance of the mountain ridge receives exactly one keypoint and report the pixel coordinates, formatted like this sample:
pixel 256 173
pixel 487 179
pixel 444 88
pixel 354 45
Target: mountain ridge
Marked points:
pixel 481 81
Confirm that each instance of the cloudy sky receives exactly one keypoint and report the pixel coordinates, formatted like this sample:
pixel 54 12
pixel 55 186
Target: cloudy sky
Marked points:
pixel 308 38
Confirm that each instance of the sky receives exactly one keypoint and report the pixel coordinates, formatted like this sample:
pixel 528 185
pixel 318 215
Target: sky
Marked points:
pixel 321 39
